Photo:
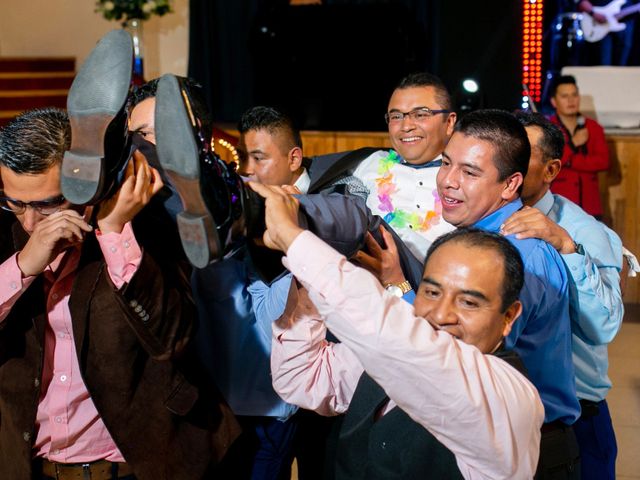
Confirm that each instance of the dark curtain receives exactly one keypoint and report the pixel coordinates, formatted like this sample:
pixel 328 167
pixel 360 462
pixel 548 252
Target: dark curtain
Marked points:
pixel 219 56
pixel 331 66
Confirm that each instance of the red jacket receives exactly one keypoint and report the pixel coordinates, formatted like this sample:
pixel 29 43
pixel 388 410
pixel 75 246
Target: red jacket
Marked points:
pixel 578 179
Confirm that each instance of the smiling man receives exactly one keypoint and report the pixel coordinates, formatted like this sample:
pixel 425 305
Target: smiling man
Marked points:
pixel 401 181
pixel 479 183
pixel 428 391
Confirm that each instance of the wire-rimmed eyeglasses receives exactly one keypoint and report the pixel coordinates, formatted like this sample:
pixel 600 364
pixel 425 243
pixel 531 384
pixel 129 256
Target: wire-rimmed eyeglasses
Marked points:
pixel 417 115
pixel 44 207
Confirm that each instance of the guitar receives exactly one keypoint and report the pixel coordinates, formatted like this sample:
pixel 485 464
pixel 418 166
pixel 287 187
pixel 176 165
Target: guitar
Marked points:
pixel 594 31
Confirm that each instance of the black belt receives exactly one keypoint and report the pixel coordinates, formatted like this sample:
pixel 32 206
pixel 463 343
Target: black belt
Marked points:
pixel 589 408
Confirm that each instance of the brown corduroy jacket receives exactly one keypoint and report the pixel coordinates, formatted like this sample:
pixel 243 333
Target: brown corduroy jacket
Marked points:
pixel 139 373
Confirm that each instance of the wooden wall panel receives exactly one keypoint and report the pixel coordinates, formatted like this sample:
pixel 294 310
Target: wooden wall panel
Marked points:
pixel 319 143
pixel 621 186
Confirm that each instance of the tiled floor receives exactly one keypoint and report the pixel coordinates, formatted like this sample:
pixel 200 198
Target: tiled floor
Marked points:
pixel 624 397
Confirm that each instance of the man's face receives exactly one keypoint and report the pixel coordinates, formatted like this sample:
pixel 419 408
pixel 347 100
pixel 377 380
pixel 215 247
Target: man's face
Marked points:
pixel 419 142
pixel 534 186
pixel 142 119
pixel 265 158
pixel 566 101
pixel 31 188
pixel 468 182
pixel 456 295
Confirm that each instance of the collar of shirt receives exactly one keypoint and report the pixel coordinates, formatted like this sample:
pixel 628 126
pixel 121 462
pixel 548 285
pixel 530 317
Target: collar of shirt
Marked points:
pixel 493 221
pixel 545 204
pixel 303 181
pixel 436 162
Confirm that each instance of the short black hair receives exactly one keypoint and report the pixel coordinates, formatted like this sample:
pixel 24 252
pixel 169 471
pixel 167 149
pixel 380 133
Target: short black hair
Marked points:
pixel 35 140
pixel 505 133
pixel 425 79
pixel 552 141
pixel 195 93
pixel 142 92
pixel 271 120
pixel 562 80
pixel 513 268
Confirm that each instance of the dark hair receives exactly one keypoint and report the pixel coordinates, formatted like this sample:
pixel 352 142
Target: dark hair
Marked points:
pixel 552 141
pixel 271 120
pixel 142 92
pixel 505 133
pixel 196 97
pixel 35 140
pixel 562 80
pixel 513 268
pixel 424 79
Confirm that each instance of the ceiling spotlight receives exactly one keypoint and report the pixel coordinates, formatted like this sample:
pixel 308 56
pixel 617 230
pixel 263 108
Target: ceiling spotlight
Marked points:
pixel 470 85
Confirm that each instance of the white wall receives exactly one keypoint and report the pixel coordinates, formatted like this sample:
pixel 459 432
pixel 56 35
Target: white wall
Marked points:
pixel 41 28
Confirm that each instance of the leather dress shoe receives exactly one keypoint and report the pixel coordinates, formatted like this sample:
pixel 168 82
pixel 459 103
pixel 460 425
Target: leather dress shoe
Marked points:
pixel 94 166
pixel 217 207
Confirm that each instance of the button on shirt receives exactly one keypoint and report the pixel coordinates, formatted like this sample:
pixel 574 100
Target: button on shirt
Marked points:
pixel 406 197
pixel 542 334
pixel 69 428
pixel 596 301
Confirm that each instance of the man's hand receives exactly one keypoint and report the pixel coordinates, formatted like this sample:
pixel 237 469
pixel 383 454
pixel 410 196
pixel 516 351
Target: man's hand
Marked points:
pixel 281 216
pixel 50 237
pixel 580 137
pixel 532 223
pixel 587 6
pixel 383 263
pixel 141 182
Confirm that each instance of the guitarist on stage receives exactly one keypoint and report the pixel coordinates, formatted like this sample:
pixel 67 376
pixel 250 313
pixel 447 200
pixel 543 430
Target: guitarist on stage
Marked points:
pixel 615 19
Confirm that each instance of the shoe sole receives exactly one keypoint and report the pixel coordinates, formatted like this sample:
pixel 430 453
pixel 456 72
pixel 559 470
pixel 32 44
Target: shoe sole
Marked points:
pixel 178 154
pixel 97 94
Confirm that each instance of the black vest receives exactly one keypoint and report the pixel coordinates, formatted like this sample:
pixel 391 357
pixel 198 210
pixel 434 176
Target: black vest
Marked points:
pixel 394 446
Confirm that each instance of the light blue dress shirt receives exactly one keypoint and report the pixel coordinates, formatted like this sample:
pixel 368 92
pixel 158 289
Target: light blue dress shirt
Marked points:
pixel 542 334
pixel 235 311
pixel 596 300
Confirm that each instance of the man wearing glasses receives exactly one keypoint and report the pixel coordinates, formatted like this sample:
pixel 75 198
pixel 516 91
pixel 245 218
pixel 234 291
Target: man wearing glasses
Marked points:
pixel 92 315
pixel 402 181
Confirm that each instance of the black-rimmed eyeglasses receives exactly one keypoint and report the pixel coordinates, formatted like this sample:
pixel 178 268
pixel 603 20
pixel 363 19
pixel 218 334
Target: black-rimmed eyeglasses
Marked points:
pixel 417 115
pixel 43 207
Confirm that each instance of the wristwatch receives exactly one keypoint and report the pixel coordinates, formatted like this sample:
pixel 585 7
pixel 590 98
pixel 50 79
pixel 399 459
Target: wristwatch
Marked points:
pixel 579 248
pixel 398 289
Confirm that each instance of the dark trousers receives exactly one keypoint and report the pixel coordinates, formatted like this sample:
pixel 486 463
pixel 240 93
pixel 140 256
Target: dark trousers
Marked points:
pixel 262 452
pixel 559 453
pixel 597 440
pixel 315 445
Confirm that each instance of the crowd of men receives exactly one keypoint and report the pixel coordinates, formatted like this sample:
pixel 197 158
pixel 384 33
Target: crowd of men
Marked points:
pixel 438 311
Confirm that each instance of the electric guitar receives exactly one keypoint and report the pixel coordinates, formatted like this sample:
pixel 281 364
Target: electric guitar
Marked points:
pixel 594 31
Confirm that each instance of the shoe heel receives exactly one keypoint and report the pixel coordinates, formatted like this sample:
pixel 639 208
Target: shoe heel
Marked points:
pixel 196 233
pixel 80 177
pixel 97 95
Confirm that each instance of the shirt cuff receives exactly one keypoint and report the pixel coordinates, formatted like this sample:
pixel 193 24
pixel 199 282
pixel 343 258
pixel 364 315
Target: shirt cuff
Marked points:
pixel 121 253
pixel 409 297
pixel 577 264
pixel 12 284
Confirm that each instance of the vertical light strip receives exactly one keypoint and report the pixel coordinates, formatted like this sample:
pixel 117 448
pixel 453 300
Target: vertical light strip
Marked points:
pixel 532 50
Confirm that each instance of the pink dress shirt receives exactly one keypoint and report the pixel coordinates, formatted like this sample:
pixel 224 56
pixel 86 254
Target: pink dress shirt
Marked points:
pixel 69 429
pixel 478 406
